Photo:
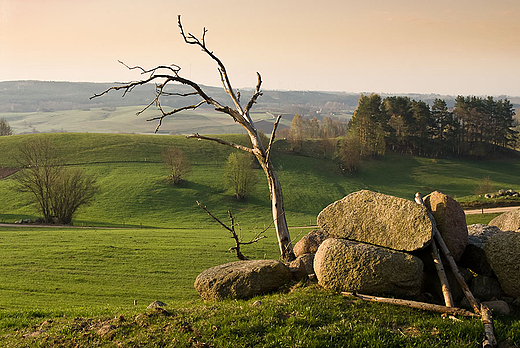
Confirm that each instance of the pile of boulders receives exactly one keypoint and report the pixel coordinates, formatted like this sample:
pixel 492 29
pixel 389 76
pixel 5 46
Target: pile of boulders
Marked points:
pixel 377 244
pixel 502 193
pixel 380 245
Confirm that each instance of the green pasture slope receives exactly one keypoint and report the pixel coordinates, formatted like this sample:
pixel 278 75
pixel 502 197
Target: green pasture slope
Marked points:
pixel 167 240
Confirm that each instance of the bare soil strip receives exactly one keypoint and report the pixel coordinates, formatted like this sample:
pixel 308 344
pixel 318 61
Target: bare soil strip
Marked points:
pixel 5 172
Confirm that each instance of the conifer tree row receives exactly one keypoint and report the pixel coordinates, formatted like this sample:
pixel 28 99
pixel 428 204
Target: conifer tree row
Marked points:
pixel 475 126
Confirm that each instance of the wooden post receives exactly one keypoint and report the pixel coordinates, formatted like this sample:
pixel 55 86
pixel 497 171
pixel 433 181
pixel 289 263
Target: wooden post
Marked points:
pixel 456 272
pixel 487 320
pixel 448 299
pixel 413 304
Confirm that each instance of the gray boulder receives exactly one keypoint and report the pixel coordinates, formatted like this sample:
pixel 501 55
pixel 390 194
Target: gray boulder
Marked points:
pixel 498 307
pixel 378 219
pixel 502 251
pixel 450 220
pixel 305 261
pixel 242 279
pixel 486 288
pixel 474 256
pixel 310 242
pixel 345 265
pixel 509 221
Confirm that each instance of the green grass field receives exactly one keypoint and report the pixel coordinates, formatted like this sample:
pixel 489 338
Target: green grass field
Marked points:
pixel 134 190
pixel 99 271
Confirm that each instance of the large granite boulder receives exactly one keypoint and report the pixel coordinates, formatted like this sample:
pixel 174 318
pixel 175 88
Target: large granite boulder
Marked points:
pixel 242 279
pixel 450 220
pixel 378 219
pixel 310 242
pixel 509 221
pixel 503 254
pixel 346 265
pixel 474 256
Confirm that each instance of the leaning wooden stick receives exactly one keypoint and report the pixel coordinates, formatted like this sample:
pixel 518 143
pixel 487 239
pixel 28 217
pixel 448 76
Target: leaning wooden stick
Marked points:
pixel 448 299
pixel 413 304
pixel 455 269
pixel 487 320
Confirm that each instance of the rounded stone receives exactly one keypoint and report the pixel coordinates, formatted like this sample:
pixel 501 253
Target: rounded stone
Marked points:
pixel 509 221
pixel 502 251
pixel 242 279
pixel 345 265
pixel 450 220
pixel 379 219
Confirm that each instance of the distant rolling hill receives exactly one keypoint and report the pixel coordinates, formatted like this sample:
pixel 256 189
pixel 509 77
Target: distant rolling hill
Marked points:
pixel 43 106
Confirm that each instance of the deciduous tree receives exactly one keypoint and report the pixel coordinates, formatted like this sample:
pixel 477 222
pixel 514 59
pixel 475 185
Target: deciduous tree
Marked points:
pixel 177 164
pixel 5 129
pixel 58 191
pixel 349 152
pixel 297 133
pixel 240 177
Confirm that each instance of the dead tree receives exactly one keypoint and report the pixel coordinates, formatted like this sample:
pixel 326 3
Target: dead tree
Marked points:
pixel 164 76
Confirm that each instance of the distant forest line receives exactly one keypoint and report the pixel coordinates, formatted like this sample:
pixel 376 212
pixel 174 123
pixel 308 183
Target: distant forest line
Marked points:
pixel 474 126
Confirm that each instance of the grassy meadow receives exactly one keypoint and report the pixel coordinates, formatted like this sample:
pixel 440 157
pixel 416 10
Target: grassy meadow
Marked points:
pixel 147 240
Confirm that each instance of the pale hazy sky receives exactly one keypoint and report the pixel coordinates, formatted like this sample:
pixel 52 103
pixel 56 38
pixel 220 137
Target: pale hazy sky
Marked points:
pixel 392 46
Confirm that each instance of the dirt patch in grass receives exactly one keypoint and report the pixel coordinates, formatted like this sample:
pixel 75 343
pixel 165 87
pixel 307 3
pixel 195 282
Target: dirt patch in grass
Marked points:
pixel 5 172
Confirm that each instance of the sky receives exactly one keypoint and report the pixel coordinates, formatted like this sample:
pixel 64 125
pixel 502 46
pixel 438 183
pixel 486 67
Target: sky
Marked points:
pixel 467 47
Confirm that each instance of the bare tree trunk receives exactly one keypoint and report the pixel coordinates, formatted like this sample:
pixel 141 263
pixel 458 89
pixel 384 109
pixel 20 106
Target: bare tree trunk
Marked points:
pixel 280 223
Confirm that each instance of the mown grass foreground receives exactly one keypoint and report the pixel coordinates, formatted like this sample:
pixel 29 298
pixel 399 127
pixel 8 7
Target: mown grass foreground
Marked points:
pixel 86 278
pixel 301 317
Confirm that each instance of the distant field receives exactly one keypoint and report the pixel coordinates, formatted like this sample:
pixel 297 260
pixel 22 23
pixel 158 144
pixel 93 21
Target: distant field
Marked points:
pixel 123 119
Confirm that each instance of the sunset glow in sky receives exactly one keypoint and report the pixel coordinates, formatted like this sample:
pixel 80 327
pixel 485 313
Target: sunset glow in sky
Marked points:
pixel 388 46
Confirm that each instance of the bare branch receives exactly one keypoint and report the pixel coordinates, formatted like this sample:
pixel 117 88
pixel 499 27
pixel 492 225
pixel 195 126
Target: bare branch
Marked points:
pixel 170 94
pixel 271 140
pixel 220 141
pixel 193 40
pixel 174 68
pixel 154 101
pixel 255 96
pixel 127 87
pixel 238 241
pixel 174 111
pixel 215 218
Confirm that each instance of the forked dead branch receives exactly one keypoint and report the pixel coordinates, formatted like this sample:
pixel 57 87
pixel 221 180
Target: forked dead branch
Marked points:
pixel 164 76
pixel 238 240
